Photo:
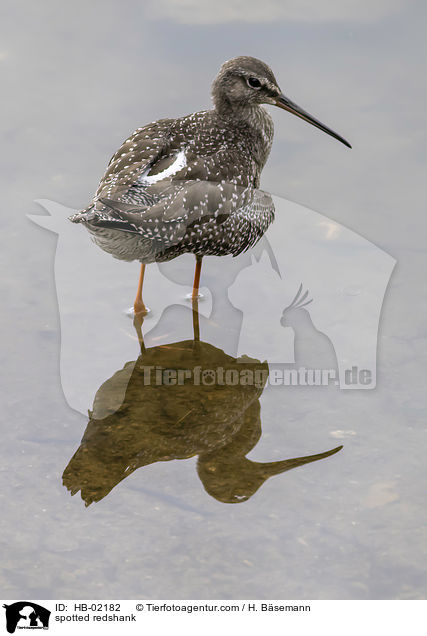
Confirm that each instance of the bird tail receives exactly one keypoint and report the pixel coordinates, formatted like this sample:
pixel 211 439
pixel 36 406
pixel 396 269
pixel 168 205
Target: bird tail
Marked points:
pixel 109 214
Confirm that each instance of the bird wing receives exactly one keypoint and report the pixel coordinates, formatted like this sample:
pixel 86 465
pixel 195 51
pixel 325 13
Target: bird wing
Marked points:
pixel 180 204
pixel 134 157
pixel 193 213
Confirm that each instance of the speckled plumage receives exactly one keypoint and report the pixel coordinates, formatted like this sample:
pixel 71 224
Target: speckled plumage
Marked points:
pixel 190 184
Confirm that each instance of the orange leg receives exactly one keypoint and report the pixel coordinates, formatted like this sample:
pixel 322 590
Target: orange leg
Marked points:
pixel 139 306
pixel 197 277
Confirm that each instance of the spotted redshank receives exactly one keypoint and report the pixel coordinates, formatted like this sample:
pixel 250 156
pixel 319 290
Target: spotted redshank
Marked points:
pixel 191 184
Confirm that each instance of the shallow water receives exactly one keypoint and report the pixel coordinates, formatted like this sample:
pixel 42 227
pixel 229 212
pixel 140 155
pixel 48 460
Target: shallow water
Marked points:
pixel 350 525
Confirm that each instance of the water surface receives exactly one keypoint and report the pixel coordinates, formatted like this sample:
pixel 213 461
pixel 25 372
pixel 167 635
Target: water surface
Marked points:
pixel 352 525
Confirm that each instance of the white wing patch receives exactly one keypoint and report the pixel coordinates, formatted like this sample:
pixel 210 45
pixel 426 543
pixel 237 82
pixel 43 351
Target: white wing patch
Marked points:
pixel 179 163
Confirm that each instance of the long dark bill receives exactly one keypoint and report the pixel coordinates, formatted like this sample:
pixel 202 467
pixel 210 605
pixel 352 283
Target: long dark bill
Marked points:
pixel 286 104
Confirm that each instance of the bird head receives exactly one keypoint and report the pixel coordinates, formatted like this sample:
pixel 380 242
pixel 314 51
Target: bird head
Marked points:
pixel 245 82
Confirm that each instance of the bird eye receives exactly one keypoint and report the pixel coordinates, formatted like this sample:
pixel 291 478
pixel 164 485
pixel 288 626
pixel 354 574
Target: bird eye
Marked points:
pixel 253 82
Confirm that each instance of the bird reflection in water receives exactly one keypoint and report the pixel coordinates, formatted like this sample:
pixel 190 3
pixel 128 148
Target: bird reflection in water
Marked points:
pixel 178 401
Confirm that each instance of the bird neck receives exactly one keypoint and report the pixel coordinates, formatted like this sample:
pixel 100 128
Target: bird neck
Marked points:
pixel 256 124
pixel 252 123
pixel 252 114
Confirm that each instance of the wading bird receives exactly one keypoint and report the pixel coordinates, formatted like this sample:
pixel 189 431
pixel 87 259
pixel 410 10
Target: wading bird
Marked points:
pixel 190 184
